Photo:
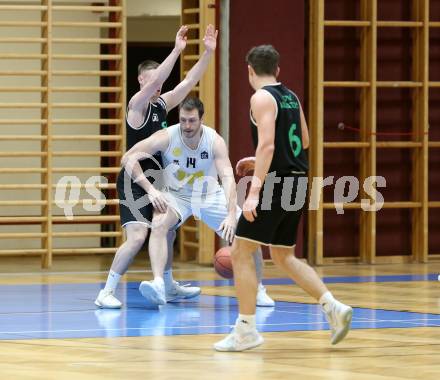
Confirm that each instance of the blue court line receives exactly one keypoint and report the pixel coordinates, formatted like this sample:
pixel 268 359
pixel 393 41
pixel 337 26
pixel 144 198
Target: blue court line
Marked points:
pixel 330 280
pixel 288 281
pixel 63 311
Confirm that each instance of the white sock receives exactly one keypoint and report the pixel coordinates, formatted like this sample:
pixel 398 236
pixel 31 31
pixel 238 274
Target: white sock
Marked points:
pixel 326 300
pixel 246 320
pixel 168 277
pixel 112 281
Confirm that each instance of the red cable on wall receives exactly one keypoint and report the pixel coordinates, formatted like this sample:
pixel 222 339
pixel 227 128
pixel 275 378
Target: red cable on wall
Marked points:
pixel 342 126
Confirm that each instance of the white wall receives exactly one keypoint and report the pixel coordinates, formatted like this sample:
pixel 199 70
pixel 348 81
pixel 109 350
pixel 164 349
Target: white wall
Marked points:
pixel 153 20
pixel 16 113
pixel 152 29
pixel 139 8
pixel 148 21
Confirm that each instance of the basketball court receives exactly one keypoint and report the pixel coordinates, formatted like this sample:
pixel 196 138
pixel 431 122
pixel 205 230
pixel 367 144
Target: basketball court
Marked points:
pixel 367 73
pixel 50 327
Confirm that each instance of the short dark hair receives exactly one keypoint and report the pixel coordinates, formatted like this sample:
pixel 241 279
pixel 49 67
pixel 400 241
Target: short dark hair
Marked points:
pixel 263 59
pixel 192 103
pixel 147 65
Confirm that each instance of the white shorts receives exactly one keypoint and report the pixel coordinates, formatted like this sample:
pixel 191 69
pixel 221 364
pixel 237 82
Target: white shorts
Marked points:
pixel 211 209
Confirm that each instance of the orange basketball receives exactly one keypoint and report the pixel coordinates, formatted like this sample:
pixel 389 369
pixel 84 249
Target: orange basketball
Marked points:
pixel 223 262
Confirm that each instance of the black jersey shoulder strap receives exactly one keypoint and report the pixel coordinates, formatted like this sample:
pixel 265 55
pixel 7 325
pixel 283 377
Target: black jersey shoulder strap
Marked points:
pixel 147 116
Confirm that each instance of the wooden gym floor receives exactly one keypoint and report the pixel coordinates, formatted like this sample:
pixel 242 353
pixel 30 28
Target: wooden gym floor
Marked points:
pixel 50 328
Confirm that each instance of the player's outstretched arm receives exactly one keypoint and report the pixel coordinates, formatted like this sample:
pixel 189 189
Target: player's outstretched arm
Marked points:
pixel 226 174
pixel 142 150
pixel 160 75
pixel 174 97
pixel 264 112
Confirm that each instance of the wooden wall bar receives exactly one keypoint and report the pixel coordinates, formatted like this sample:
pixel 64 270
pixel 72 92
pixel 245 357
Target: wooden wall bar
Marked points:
pixel 60 46
pixel 366 83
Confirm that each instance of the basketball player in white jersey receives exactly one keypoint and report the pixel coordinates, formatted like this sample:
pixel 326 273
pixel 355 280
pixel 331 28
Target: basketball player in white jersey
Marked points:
pixel 146 113
pixel 194 157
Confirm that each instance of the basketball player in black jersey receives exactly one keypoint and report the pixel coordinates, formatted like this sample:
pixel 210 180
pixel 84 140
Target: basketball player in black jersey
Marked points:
pixel 280 135
pixel 146 114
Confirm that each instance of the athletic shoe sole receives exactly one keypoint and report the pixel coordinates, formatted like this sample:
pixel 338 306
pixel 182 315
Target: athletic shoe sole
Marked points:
pixel 177 298
pixel 265 305
pixel 150 294
pixel 343 333
pixel 101 306
pixel 244 347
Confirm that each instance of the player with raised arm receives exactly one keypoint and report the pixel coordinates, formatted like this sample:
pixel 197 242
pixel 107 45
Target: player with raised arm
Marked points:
pixel 146 114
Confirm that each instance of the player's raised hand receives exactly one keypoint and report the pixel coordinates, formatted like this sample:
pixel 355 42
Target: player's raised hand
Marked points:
pixel 181 38
pixel 244 166
pixel 250 207
pixel 210 39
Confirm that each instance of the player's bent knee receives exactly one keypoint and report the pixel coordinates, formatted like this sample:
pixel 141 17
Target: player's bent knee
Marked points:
pixel 280 256
pixel 161 229
pixel 136 236
pixel 242 250
pixel 162 224
pixel 136 240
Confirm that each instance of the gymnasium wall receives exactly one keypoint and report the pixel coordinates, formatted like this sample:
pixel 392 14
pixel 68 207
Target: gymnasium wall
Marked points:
pixel 29 113
pixel 142 8
pixel 152 29
pixel 394 117
pixel 250 25
pixel 434 130
pixel 147 22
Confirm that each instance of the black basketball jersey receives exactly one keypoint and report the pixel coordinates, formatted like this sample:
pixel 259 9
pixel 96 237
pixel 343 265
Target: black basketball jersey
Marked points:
pixel 155 120
pixel 289 156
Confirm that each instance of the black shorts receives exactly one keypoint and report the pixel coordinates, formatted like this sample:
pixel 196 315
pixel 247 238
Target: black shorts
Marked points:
pixel 278 213
pixel 127 208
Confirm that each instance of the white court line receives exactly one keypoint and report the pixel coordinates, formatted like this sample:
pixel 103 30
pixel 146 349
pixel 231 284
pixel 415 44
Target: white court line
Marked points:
pixel 402 321
pixel 298 312
pixel 30 313
pixel 118 329
pixel 196 327
pixel 154 328
pixel 367 319
pixel 357 319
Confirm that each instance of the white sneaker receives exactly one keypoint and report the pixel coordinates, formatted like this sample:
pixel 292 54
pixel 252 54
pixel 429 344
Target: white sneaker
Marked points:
pixel 106 300
pixel 153 292
pixel 177 291
pixel 339 318
pixel 240 339
pixel 263 299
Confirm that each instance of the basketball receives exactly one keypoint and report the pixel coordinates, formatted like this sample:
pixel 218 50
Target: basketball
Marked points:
pixel 223 262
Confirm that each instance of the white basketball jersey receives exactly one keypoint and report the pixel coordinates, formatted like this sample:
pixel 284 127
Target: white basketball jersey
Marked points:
pixel 192 170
